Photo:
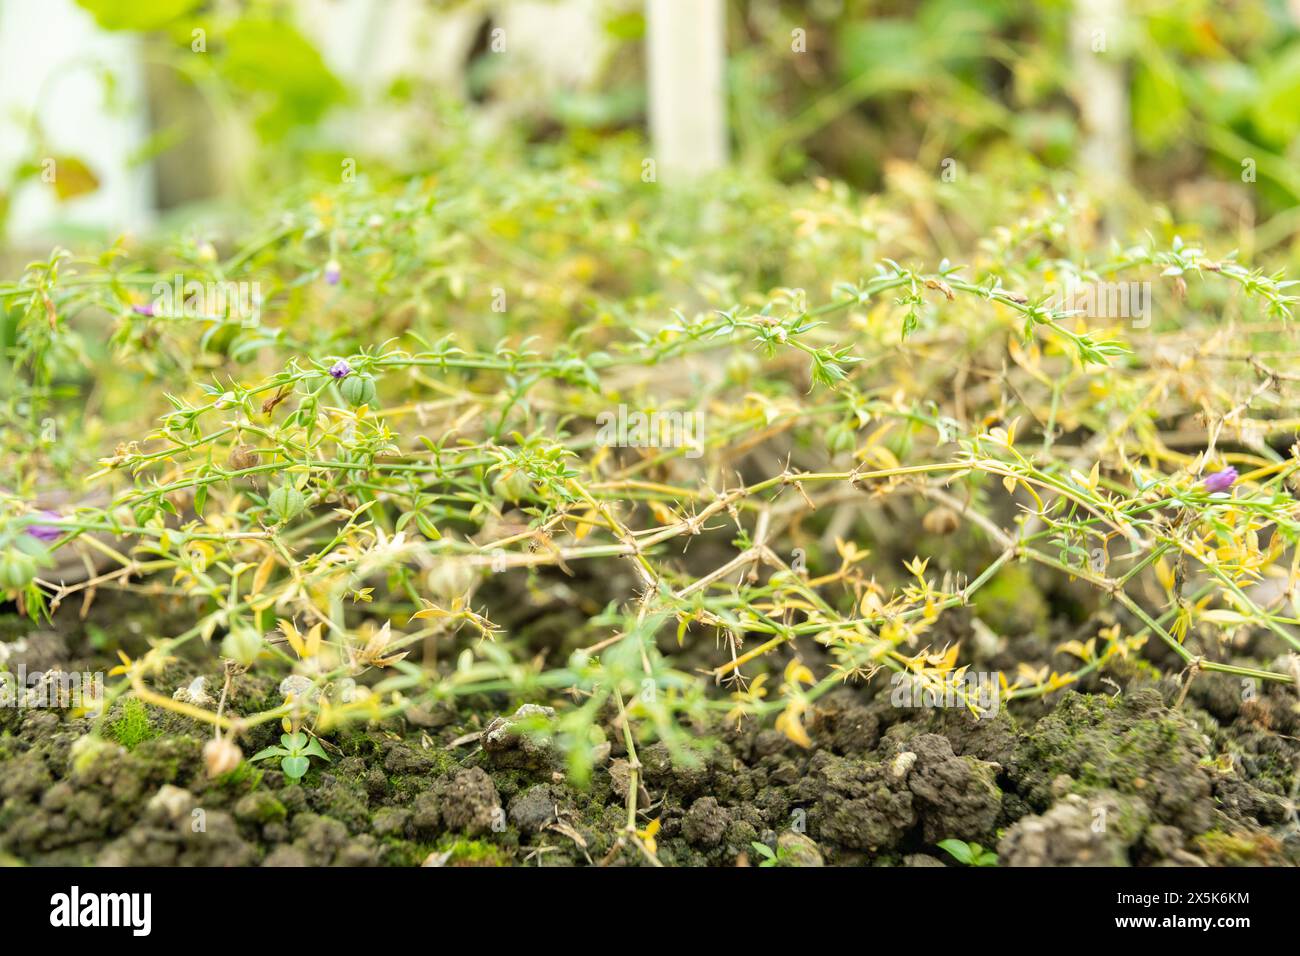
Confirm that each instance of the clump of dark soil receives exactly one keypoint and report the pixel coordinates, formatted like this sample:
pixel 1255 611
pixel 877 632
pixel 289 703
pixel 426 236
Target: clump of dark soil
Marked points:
pixel 1114 778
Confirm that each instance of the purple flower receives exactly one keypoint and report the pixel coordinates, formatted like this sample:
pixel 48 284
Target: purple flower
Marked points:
pixel 341 369
pixel 1221 480
pixel 46 532
pixel 145 309
pixel 332 272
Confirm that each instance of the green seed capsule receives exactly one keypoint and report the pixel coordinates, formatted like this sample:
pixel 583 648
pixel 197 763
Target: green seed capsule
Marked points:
pixel 840 438
pixel 16 570
pixel 286 503
pixel 513 485
pixel 243 644
pixel 741 367
pixel 358 390
pixel 450 578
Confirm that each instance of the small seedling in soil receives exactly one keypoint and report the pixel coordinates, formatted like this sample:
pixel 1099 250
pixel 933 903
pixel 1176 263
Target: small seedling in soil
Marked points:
pixel 970 854
pixel 296 753
pixel 770 857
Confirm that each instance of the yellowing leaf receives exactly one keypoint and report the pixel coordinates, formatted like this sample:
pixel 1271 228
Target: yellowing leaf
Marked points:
pixel 648 835
pixel 293 637
pixel 1085 652
pixel 948 660
pixel 789 722
pixel 1225 618
pixel 313 641
pixel 263 573
pixel 796 672
pixel 582 527
pixel 72 178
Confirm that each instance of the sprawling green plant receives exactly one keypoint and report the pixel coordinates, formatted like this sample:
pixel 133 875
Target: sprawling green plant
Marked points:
pixel 682 416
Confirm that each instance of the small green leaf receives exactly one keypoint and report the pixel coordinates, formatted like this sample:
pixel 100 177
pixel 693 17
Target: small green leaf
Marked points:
pixel 314 749
pixel 427 527
pixel 958 849
pixel 268 752
pixel 295 768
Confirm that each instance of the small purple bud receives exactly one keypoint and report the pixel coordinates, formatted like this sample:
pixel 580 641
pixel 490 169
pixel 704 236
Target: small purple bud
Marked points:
pixel 340 369
pixel 1221 480
pixel 332 272
pixel 46 532
pixel 145 309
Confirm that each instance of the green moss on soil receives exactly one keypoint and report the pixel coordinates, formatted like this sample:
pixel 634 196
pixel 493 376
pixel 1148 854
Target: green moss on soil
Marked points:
pixel 133 727
pixel 1238 849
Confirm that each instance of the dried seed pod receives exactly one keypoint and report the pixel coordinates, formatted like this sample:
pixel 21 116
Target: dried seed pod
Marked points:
pixel 243 457
pixel 941 520
pixel 221 756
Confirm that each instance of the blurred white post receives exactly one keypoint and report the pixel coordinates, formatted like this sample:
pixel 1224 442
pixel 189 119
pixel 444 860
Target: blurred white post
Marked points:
pixel 1096 44
pixel 686 51
pixel 50 56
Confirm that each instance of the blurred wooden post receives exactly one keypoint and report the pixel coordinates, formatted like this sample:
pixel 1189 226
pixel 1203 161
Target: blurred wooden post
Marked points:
pixel 1101 93
pixel 686 52
pixel 49 58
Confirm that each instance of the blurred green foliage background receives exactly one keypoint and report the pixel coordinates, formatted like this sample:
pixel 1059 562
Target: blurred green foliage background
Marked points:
pixel 852 89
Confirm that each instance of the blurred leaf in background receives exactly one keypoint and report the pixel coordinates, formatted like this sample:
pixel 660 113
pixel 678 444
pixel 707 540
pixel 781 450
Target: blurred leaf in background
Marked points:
pixel 74 178
pixel 282 71
pixel 138 14
pixel 869 85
